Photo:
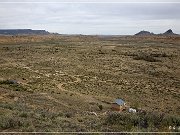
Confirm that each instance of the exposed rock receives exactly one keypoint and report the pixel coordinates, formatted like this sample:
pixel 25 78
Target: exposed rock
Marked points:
pixel 147 33
pixel 169 32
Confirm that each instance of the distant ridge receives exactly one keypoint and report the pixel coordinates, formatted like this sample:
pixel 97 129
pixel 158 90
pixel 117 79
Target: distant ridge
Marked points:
pixel 144 33
pixel 147 33
pixel 23 32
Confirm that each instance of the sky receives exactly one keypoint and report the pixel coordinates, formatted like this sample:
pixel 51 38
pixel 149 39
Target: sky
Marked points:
pixel 104 17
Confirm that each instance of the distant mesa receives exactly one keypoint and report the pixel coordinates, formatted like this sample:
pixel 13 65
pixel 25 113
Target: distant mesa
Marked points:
pixel 147 33
pixel 144 33
pixel 23 32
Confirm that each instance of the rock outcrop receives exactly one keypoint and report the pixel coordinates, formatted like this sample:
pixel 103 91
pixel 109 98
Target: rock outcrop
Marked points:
pixel 147 33
pixel 169 32
pixel 144 33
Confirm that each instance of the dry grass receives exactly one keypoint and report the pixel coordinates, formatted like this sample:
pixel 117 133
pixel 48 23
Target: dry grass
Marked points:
pixel 63 78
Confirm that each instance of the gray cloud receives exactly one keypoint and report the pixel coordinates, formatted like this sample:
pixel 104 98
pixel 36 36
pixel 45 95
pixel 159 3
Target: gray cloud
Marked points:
pixel 91 18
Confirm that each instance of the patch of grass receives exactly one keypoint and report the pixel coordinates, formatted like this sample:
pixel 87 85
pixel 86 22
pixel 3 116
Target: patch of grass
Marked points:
pixel 11 122
pixel 7 106
pixel 24 115
pixel 68 115
pixel 8 82
pixel 13 85
pixel 163 54
pixel 153 121
pixel 146 57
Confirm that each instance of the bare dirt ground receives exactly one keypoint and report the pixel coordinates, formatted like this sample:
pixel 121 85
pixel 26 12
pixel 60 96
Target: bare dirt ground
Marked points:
pixel 63 81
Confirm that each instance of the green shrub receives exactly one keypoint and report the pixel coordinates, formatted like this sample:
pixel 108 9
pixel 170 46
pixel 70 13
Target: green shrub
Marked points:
pixel 7 82
pixel 23 114
pixel 7 106
pixel 159 54
pixel 68 115
pixel 149 121
pixel 10 122
pixel 146 57
pixel 171 121
pixel 13 84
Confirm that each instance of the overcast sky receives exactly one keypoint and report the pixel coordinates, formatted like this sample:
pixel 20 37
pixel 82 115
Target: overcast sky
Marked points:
pixel 89 17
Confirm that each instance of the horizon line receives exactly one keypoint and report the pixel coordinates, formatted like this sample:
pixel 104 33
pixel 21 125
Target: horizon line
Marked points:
pixel 88 2
pixel 103 34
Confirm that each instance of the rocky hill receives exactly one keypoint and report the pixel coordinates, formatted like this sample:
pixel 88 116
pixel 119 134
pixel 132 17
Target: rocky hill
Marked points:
pixel 22 32
pixel 169 32
pixel 144 33
pixel 147 33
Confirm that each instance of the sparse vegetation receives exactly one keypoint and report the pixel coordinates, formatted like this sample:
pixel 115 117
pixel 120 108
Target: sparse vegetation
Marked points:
pixel 149 121
pixel 146 57
pixel 12 84
pixel 67 83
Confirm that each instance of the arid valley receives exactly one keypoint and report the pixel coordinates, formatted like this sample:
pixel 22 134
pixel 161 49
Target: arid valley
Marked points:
pixel 66 83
